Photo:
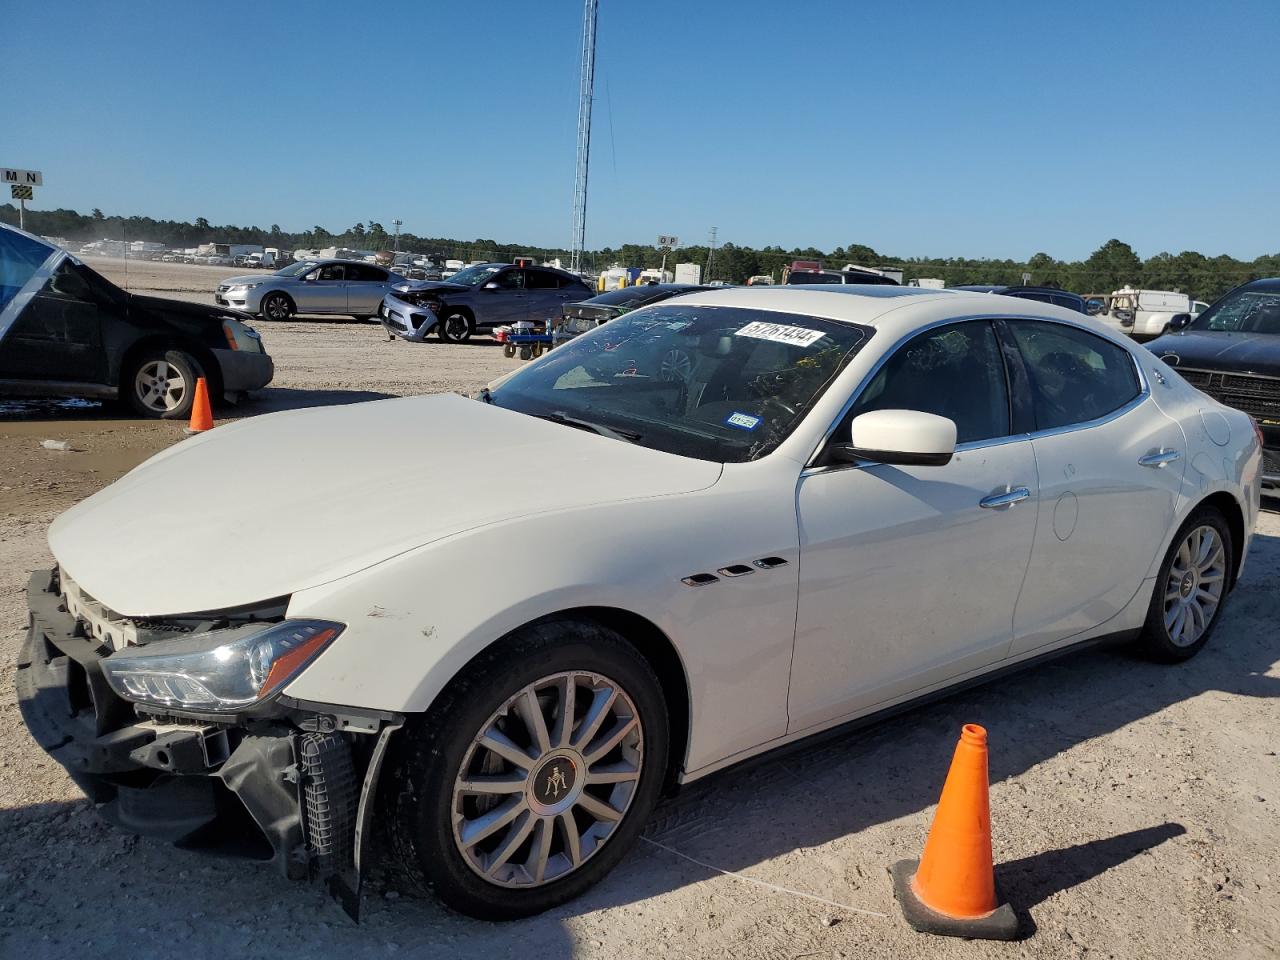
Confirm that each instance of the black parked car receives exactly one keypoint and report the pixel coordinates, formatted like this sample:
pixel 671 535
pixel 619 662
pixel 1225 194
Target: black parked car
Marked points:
pixel 65 330
pixel 1060 298
pixel 1232 352
pixel 589 314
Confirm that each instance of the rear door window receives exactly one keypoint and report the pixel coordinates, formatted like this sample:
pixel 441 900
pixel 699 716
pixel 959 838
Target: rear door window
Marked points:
pixel 541 280
pixel 1075 376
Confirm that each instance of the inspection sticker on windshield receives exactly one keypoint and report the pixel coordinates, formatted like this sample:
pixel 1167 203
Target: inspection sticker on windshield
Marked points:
pixel 743 421
pixel 780 333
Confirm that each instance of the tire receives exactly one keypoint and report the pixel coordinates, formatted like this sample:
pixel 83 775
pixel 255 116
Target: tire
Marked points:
pixel 161 384
pixel 456 326
pixel 508 350
pixel 1198 569
pixel 490 697
pixel 277 307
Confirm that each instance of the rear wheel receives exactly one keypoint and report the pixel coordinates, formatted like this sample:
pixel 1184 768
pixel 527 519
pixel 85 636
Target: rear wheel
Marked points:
pixel 162 384
pixel 1191 588
pixel 456 327
pixel 533 773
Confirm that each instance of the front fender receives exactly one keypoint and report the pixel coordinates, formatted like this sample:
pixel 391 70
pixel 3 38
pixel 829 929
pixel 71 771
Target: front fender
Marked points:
pixel 415 620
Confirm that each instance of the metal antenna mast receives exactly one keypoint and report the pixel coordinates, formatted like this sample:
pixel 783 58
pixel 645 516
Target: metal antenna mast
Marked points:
pixel 586 87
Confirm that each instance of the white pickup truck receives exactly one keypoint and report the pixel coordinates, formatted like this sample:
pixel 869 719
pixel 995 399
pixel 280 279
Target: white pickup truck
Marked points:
pixel 1144 314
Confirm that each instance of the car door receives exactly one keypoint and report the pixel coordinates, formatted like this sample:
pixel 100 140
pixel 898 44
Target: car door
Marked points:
pixel 1111 466
pixel 58 335
pixel 366 286
pixel 324 290
pixel 909 575
pixel 502 299
pixel 547 294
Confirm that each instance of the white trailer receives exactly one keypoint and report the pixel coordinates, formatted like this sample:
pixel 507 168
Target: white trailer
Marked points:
pixel 688 273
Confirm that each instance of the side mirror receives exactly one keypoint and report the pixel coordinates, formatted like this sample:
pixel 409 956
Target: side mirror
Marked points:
pixel 907 437
pixel 1179 321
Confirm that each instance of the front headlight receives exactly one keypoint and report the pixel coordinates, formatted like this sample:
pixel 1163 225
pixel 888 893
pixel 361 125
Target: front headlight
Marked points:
pixel 219 671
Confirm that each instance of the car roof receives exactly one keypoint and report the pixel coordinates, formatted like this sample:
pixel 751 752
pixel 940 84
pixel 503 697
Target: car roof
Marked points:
pixel 1264 283
pixel 894 309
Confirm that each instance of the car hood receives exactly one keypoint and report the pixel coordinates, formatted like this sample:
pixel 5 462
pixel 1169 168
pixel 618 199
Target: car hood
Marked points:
pixel 183 309
pixel 1220 350
pixel 443 286
pixel 248 278
pixel 271 505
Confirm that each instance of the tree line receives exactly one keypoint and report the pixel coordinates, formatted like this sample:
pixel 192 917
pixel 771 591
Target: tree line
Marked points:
pixel 1111 266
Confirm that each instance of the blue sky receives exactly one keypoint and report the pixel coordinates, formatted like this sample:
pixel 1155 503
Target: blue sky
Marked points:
pixel 941 129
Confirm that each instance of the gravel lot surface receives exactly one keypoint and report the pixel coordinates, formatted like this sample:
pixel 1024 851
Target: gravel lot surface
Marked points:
pixel 1136 808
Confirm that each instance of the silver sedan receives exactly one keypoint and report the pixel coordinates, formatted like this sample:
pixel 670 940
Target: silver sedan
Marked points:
pixel 342 287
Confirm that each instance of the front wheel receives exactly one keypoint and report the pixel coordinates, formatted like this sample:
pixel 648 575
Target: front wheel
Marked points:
pixel 533 773
pixel 456 328
pixel 162 384
pixel 1191 588
pixel 276 306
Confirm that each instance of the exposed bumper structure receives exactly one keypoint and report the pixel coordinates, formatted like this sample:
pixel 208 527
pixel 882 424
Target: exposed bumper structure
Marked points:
pixel 405 320
pixel 242 371
pixel 284 788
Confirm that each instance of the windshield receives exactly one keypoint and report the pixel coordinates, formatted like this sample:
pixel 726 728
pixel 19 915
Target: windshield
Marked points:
pixel 726 384
pixel 298 269
pixel 1245 311
pixel 20 258
pixel 474 276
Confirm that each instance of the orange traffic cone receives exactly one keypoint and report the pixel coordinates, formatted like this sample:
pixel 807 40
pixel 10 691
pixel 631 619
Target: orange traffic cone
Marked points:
pixel 951 889
pixel 201 416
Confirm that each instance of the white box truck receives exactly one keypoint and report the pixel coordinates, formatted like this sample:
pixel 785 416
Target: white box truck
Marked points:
pixel 688 273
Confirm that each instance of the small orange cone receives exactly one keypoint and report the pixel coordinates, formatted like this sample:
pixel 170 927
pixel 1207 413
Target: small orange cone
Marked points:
pixel 951 889
pixel 201 415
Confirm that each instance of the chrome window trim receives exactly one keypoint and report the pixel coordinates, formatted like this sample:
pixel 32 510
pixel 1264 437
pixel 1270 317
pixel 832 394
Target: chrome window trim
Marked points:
pixel 29 289
pixel 1144 391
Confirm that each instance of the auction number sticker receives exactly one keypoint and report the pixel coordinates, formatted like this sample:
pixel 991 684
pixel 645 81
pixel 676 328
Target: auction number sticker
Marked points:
pixel 780 333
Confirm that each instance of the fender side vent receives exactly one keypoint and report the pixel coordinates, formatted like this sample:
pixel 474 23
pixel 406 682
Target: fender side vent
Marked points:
pixel 700 580
pixel 736 570
pixel 769 563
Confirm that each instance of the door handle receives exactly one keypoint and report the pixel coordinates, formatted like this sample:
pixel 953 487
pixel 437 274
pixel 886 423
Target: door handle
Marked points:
pixel 1014 495
pixel 1160 458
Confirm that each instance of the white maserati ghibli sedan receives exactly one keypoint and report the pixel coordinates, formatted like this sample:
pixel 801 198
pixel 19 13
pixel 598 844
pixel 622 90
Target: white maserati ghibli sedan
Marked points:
pixel 501 628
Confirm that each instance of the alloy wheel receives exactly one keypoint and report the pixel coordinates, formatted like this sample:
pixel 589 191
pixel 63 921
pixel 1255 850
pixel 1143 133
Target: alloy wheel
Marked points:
pixel 456 327
pixel 676 366
pixel 547 779
pixel 1193 589
pixel 161 386
pixel 277 308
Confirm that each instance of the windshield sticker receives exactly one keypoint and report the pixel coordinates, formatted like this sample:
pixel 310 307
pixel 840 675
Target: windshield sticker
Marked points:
pixel 743 421
pixel 780 333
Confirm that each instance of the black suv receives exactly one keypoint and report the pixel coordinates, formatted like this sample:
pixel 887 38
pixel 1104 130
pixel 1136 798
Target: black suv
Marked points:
pixel 67 331
pixel 1232 352
pixel 1059 298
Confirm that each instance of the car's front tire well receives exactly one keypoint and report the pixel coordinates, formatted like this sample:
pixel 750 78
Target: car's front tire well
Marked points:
pixel 202 354
pixel 656 647
pixel 1230 509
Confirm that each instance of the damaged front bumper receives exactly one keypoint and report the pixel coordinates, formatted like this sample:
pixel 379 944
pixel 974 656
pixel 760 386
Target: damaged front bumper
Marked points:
pixel 292 785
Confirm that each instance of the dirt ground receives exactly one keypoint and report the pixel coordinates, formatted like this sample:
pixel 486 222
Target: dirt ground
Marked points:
pixel 1136 808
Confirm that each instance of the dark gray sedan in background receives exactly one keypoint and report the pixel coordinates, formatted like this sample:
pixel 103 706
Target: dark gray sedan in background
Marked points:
pixel 480 298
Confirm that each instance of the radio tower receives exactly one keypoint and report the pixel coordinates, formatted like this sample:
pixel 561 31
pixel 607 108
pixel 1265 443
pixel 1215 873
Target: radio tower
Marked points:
pixel 586 86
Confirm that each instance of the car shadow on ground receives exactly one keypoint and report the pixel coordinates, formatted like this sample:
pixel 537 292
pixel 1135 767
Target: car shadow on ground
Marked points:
pixel 56 857
pixel 276 399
